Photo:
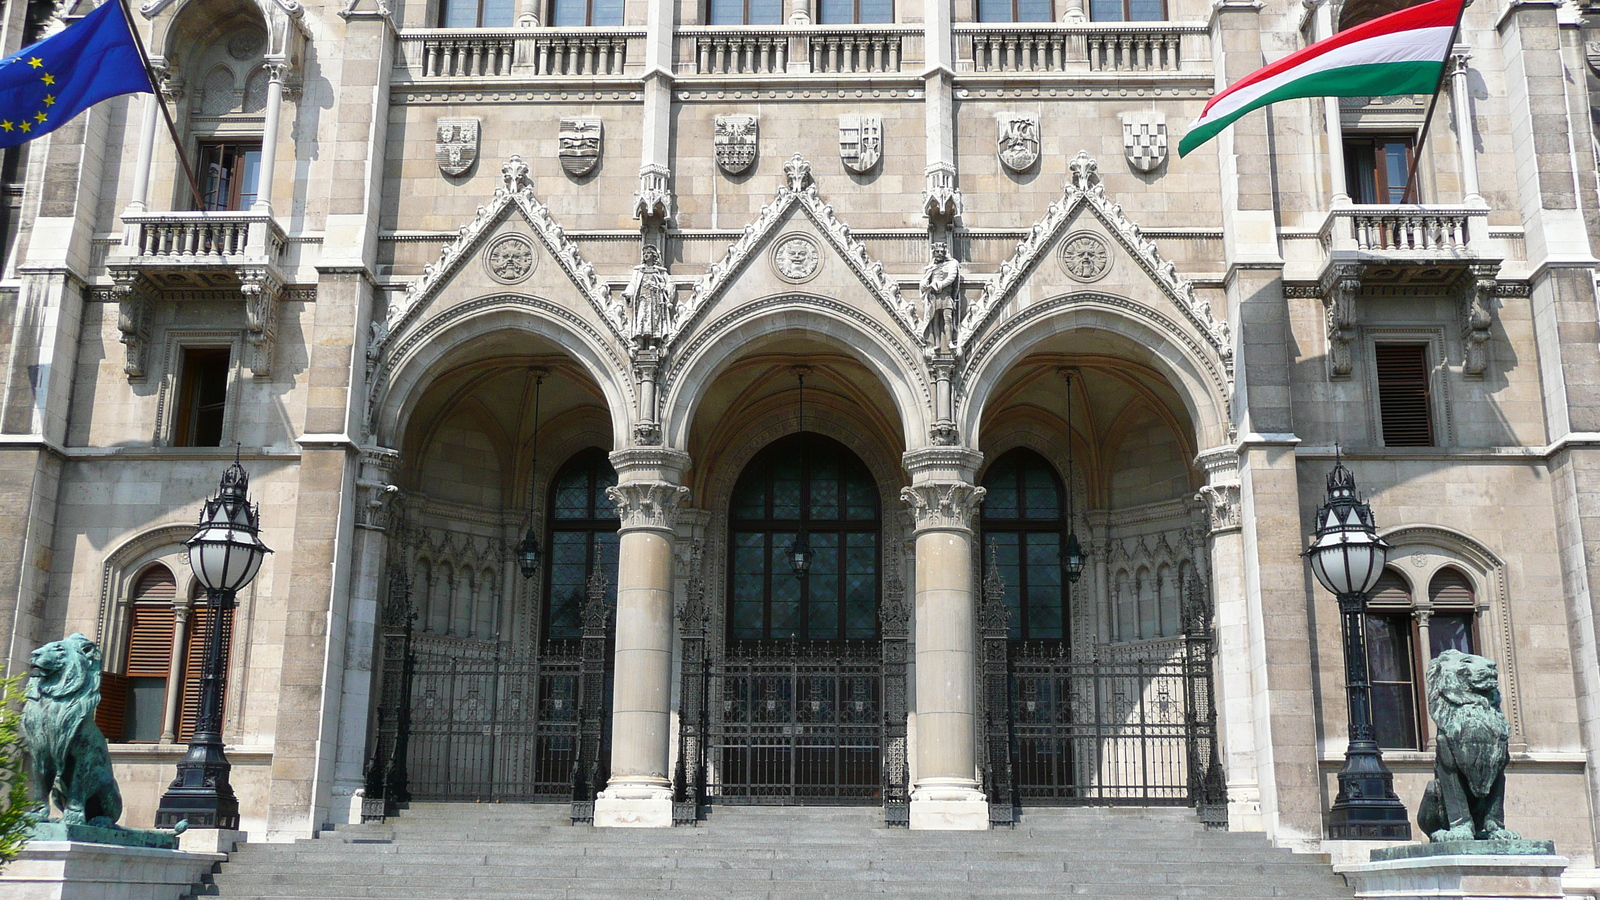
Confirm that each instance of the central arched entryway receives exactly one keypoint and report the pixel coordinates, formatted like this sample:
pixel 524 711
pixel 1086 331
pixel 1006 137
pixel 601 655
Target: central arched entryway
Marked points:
pixel 800 718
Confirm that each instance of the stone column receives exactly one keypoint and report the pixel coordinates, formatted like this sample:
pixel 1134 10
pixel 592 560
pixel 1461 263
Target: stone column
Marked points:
pixel 375 509
pixel 277 72
pixel 173 703
pixel 639 794
pixel 141 169
pixel 944 501
pixel 1461 104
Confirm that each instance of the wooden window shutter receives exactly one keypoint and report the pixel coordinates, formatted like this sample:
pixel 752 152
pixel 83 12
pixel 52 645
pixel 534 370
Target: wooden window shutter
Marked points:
pixel 1391 591
pixel 1403 395
pixel 149 648
pixel 194 661
pixel 1451 588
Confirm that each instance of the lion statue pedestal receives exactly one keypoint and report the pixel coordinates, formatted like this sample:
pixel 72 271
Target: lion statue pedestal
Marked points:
pixel 1471 853
pixel 83 854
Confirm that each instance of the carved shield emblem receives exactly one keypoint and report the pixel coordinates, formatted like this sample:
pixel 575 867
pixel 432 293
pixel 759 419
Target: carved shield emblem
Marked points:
pixel 456 145
pixel 860 142
pixel 735 141
pixel 1018 140
pixel 579 145
pixel 1144 140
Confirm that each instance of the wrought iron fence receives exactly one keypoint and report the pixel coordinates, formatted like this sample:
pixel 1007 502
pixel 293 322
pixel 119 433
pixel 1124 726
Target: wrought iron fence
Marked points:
pixel 796 723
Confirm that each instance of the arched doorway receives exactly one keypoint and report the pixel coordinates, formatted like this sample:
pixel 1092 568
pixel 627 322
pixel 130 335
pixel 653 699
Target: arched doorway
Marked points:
pixel 801 718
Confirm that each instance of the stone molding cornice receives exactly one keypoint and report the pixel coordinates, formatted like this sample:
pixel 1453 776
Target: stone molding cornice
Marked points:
pixel 943 505
pixel 650 464
pixel 647 505
pixel 931 464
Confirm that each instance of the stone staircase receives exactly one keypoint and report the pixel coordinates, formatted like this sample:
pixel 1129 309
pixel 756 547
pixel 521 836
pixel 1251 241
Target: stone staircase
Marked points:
pixel 530 852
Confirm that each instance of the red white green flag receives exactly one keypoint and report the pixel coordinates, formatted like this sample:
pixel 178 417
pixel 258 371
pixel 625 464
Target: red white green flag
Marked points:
pixel 1401 53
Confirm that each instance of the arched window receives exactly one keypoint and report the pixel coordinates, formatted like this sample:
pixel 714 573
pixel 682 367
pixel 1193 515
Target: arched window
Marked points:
pixel 582 522
pixel 1399 629
pixel 1452 626
pixel 815 483
pixel 1024 520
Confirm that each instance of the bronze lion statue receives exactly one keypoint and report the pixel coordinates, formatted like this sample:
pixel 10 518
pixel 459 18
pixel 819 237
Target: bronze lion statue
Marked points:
pixel 71 764
pixel 1465 801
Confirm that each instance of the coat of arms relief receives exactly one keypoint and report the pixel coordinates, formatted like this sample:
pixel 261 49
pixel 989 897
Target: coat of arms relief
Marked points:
pixel 455 144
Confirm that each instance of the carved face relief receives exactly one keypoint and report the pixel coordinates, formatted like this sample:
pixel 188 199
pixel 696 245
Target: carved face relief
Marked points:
pixel 860 142
pixel 1144 140
pixel 796 258
pixel 1085 256
pixel 455 145
pixel 1018 140
pixel 734 138
pixel 510 259
pixel 579 145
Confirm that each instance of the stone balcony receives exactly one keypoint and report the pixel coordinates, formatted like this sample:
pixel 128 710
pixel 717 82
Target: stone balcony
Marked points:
pixel 1412 244
pixel 1153 48
pixel 806 50
pixel 435 54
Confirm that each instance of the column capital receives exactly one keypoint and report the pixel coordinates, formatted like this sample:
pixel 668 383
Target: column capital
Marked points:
pixel 942 464
pixel 943 505
pixel 649 505
pixel 650 464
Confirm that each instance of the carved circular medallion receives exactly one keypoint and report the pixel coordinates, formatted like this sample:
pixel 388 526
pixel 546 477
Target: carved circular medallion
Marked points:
pixel 1085 256
pixel 246 45
pixel 796 258
pixel 510 259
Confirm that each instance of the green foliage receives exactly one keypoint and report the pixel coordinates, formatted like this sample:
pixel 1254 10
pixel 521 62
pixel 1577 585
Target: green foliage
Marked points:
pixel 15 806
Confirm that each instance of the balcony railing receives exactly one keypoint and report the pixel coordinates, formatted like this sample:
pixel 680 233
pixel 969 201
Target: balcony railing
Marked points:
pixel 1400 232
pixel 850 50
pixel 1124 48
pixel 202 238
pixel 475 53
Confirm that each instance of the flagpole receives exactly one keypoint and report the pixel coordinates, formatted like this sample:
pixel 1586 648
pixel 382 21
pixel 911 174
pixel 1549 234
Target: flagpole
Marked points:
pixel 155 95
pixel 1427 121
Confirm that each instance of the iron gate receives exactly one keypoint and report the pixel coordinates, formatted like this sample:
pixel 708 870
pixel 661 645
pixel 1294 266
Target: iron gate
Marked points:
pixel 796 723
pixel 1136 732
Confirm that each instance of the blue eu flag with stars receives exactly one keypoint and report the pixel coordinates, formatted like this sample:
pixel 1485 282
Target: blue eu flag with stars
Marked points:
pixel 45 85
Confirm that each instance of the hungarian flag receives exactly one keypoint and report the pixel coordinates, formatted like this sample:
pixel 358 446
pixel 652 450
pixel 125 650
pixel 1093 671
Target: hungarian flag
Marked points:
pixel 1401 53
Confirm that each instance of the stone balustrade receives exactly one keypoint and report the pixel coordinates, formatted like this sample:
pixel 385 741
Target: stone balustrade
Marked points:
pixel 853 50
pixel 1423 231
pixel 475 53
pixel 1154 48
pixel 229 238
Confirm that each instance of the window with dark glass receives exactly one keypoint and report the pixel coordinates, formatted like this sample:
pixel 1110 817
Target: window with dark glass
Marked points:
pixel 1394 687
pixel 1403 389
pixel 1452 624
pixel 583 540
pixel 229 174
pixel 855 12
pixel 1376 168
pixel 1024 524
pixel 586 13
pixel 746 12
pixel 1127 10
pixel 1015 11
pixel 477 14
pixel 202 396
pixel 825 489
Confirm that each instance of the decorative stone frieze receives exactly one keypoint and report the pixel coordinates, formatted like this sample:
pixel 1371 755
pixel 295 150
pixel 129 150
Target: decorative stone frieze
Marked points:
pixel 943 505
pixel 1084 189
pixel 647 504
pixel 133 320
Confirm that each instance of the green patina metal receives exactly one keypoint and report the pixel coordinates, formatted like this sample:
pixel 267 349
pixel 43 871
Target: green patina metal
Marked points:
pixel 71 764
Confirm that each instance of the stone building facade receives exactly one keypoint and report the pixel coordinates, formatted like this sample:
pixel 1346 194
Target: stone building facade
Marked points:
pixel 583 272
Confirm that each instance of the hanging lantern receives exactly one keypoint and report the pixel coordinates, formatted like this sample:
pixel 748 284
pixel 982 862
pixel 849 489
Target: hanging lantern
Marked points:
pixel 528 553
pixel 1072 558
pixel 800 554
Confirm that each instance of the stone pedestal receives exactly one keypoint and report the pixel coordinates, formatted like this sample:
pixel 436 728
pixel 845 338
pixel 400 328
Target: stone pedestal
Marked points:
pixel 72 870
pixel 949 815
pixel 212 840
pixel 1460 870
pixel 632 812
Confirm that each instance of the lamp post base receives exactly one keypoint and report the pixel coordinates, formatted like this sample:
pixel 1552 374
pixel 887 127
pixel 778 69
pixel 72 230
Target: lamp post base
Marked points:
pixel 201 794
pixel 1366 808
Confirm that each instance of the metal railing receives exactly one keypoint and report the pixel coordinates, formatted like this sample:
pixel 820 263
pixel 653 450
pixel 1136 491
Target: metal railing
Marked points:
pixel 1155 48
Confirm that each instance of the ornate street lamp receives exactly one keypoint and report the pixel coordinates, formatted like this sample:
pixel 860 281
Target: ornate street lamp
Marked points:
pixel 1347 556
pixel 225 554
pixel 528 550
pixel 1071 554
pixel 800 551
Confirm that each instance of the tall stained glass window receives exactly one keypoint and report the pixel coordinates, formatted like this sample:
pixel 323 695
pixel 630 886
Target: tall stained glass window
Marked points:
pixel 827 490
pixel 1024 525
pixel 582 523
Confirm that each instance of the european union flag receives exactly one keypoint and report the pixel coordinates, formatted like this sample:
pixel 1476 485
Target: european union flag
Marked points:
pixel 43 86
